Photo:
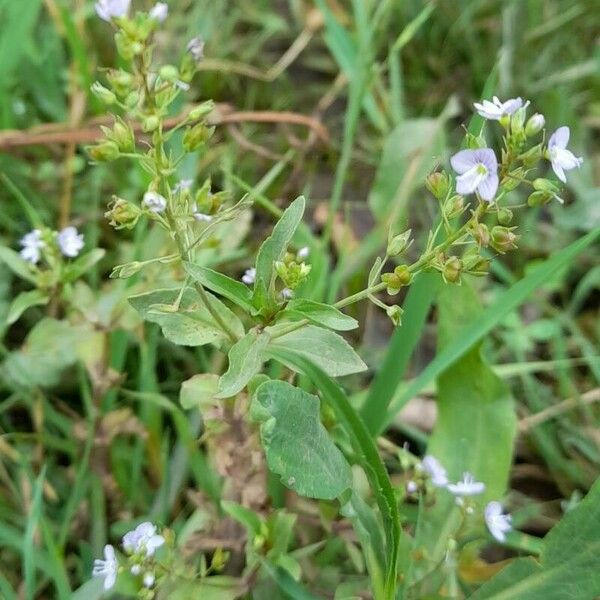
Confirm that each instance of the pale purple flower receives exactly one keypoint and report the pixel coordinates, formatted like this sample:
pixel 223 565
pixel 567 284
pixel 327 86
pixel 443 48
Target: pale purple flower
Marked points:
pixel 495 110
pixel 136 569
pixel 287 294
pixel 149 580
pixel 183 185
pixel 249 276
pixel 435 470
pixel 154 202
pixel 497 522
pixel 159 12
pixel 31 244
pixel 196 48
pixel 467 486
pixel 478 171
pixel 107 568
pixel 110 9
pixel 70 241
pixel 182 85
pixel 562 159
pixel 412 487
pixel 303 253
pixel 200 216
pixel 143 539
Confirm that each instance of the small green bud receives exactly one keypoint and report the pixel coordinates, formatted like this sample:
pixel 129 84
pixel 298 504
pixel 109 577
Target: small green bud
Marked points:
pixel 538 198
pixel 150 123
pixel 454 207
pixel 474 264
pixel 106 151
pixel 481 234
pixel 517 120
pixel 125 271
pixel 503 239
pixel 122 214
pixel 103 94
pixel 201 111
pixel 125 46
pixel 195 137
pixel 475 141
pixel 169 73
pixel 452 270
pixel 398 243
pixel 393 283
pixel 438 183
pixel 532 156
pixel 122 135
pixel 132 100
pixel 534 125
pixel 513 179
pixel 394 312
pixel 403 274
pixel 121 81
pixel 505 216
pixel 545 185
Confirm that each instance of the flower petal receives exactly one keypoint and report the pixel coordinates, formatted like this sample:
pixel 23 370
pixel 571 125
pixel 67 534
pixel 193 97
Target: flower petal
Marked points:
pixel 463 160
pixel 560 138
pixel 559 171
pixel 488 187
pixel 487 157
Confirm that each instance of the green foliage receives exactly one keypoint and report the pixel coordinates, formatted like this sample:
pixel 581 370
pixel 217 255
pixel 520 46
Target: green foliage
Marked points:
pixel 297 446
pixel 319 313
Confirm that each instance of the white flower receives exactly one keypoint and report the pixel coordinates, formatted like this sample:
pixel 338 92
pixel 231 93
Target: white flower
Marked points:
pixel 287 294
pixel 535 124
pixel 154 202
pixel 183 185
pixel 303 253
pixel 31 244
pixel 159 12
pixel 562 159
pixel 110 9
pixel 107 568
pixel 182 85
pixel 411 487
pixel 249 276
pixel 495 110
pixel 143 539
pixel 196 48
pixel 497 522
pixel 478 171
pixel 435 470
pixel 200 216
pixel 467 487
pixel 149 580
pixel 70 241
pixel 136 569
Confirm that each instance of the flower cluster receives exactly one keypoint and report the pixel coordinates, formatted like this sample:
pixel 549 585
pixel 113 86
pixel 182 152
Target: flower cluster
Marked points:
pixel 139 545
pixel 68 242
pixel 496 521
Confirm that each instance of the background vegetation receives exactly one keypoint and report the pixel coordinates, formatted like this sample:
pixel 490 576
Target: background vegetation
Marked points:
pixel 92 436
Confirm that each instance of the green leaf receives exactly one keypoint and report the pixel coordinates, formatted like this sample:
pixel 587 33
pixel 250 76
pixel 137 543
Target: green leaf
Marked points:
pixel 489 318
pixel 324 347
pixel 24 301
pixel 189 324
pixel 248 518
pixel 475 427
pixel 297 445
pixel 321 314
pixel 199 391
pixel 83 263
pixel 49 348
pixel 274 247
pixel 290 587
pixel 569 565
pixel 246 359
pixel 366 450
pixel 17 265
pixel 229 288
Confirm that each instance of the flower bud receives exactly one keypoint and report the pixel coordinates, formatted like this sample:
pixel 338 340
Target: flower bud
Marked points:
pixel 454 207
pixel 122 214
pixel 452 270
pixel 122 135
pixel 106 151
pixel 398 243
pixel 475 141
pixel 150 123
pixel 126 271
pixel 121 81
pixel 513 179
pixel 438 184
pixel 545 185
pixel 517 120
pixel 132 99
pixel 532 156
pixel 103 94
pixel 195 137
pixel 474 264
pixel 538 198
pixel 394 312
pixel 505 216
pixel 393 283
pixel 403 274
pixel 481 234
pixel 503 239
pixel 534 125
pixel 169 73
pixel 201 111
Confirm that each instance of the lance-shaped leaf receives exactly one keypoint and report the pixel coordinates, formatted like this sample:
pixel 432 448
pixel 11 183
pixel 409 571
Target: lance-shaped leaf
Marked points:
pixel 297 445
pixel 321 314
pixel 24 301
pixel 187 322
pixel 274 247
pixel 246 359
pixel 325 348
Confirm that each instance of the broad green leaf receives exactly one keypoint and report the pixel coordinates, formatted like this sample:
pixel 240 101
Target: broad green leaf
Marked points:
pixel 248 518
pixel 17 265
pixel 489 318
pixel 246 358
pixel 287 584
pixel 475 427
pixel 366 450
pixel 321 314
pixel 24 301
pixel 83 263
pixel 323 347
pixel 569 565
pixel 199 391
pixel 50 347
pixel 229 288
pixel 274 247
pixel 190 323
pixel 297 445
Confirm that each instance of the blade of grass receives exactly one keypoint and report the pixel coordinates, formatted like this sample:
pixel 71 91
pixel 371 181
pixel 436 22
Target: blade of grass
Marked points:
pixel 29 550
